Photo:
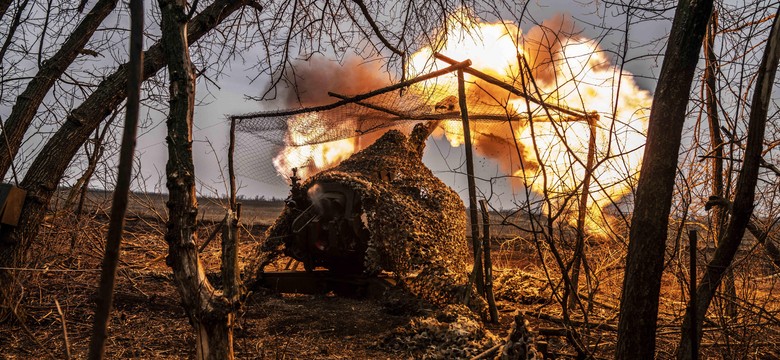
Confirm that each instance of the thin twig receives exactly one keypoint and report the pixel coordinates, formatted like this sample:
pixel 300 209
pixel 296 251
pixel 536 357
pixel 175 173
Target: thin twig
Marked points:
pixel 30 334
pixel 64 329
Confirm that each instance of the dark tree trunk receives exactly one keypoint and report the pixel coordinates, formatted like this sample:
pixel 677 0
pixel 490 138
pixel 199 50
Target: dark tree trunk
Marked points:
pixel 742 207
pixel 4 4
pixel 30 99
pixel 647 238
pixel 716 151
pixel 97 344
pixel 49 166
pixel 209 313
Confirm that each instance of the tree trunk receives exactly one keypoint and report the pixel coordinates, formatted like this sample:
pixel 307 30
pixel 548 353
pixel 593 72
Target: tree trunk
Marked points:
pixel 647 237
pixel 208 312
pixel 30 99
pixel 716 144
pixel 49 166
pixel 742 208
pixel 97 344
pixel 4 4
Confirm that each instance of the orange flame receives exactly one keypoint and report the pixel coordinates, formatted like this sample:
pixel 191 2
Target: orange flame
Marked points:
pixel 306 157
pixel 569 70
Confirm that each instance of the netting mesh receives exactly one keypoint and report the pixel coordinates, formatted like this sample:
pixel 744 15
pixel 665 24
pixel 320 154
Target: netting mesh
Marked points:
pixel 417 224
pixel 269 145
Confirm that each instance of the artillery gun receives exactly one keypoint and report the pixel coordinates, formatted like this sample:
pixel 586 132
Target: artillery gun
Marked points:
pixel 329 230
pixel 381 211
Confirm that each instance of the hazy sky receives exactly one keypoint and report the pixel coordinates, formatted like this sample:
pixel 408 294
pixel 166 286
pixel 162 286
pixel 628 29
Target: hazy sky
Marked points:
pixel 211 125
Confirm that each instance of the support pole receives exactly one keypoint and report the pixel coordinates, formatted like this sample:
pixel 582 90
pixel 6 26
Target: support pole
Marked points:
pixel 357 98
pixel 231 168
pixel 488 262
pixel 692 239
pixel 464 114
pixel 230 239
pixel 231 275
pixel 579 247
pixel 492 80
pixel 97 343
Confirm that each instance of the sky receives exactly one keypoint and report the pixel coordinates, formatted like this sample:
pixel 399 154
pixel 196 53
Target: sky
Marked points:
pixel 229 97
pixel 211 124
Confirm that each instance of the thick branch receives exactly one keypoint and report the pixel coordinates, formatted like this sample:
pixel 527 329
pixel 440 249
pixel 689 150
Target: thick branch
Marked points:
pixel 49 166
pixel 742 207
pixel 27 103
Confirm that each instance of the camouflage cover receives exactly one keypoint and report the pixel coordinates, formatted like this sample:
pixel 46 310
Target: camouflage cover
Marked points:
pixel 417 223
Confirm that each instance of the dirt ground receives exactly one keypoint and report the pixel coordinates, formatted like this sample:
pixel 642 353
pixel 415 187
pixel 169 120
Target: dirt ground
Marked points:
pixel 149 323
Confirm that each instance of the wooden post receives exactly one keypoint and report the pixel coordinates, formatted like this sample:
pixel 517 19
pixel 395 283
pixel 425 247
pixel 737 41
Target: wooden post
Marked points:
pixel 464 114
pixel 692 240
pixel 579 247
pixel 231 168
pixel 488 262
pixel 516 91
pixel 231 275
pixel 97 343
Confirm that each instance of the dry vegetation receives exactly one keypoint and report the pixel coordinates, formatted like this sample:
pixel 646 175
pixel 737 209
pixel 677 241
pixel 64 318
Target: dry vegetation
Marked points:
pixel 149 321
pixel 710 142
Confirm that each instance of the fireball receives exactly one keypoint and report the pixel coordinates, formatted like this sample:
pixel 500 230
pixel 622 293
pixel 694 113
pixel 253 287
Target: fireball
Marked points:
pixel 543 149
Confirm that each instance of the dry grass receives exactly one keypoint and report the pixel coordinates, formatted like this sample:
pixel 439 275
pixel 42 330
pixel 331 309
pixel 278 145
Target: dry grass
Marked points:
pixel 149 323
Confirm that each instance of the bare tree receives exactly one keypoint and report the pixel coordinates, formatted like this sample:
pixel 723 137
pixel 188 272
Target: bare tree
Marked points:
pixel 49 166
pixel 27 102
pixel 742 208
pixel 716 144
pixel 649 225
pixel 207 309
pixel 124 177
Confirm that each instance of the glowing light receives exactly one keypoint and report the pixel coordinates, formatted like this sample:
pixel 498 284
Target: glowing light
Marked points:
pixel 310 158
pixel 570 71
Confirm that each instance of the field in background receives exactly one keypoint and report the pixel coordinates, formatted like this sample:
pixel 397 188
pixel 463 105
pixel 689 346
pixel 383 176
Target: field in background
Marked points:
pixel 152 205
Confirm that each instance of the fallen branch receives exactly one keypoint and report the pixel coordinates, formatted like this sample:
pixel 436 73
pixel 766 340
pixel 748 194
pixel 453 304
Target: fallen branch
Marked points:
pixel 485 354
pixel 573 322
pixel 64 329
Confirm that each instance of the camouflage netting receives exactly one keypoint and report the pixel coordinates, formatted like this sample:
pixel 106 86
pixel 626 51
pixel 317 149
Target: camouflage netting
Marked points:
pixel 518 287
pixel 451 333
pixel 262 137
pixel 417 223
